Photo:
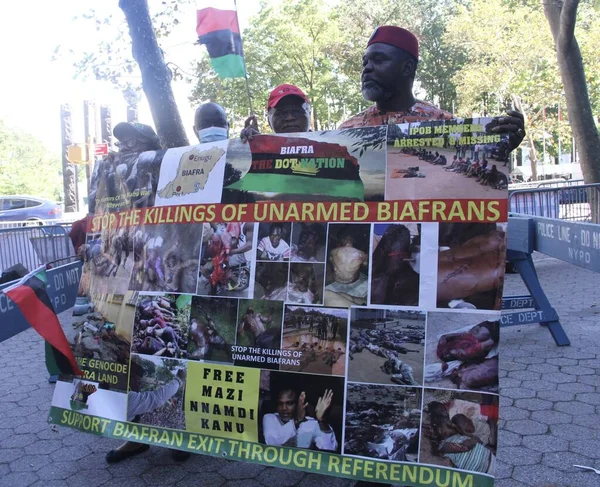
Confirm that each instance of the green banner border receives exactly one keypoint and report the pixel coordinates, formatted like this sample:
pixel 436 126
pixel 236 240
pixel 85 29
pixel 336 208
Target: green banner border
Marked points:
pixel 311 461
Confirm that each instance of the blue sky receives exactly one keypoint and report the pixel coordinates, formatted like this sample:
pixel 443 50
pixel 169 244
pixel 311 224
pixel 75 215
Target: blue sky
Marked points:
pixel 33 86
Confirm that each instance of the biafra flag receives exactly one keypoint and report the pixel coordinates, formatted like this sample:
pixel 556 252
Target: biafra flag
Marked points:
pixel 299 169
pixel 219 31
pixel 30 296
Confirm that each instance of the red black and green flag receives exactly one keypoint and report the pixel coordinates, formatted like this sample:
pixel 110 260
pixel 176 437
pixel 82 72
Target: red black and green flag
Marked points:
pixel 307 170
pixel 30 296
pixel 219 31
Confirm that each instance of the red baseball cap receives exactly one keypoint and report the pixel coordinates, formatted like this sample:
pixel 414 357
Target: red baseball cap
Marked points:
pixel 282 91
pixel 397 37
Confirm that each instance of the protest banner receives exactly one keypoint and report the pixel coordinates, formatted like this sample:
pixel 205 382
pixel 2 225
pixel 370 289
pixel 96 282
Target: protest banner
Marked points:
pixel 327 302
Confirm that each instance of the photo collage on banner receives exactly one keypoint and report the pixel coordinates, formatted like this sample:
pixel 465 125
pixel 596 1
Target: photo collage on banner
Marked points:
pixel 336 292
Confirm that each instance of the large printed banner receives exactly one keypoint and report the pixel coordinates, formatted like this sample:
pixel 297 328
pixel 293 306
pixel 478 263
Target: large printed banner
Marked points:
pixel 327 302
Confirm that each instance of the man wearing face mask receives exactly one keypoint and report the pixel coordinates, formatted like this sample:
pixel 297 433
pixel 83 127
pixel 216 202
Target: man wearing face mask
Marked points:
pixel 288 112
pixel 210 123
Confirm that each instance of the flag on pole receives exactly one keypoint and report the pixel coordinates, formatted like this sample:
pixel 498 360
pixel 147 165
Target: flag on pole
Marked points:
pixel 30 296
pixel 219 31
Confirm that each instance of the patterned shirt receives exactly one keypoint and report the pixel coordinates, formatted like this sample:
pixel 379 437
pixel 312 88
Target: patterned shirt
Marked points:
pixel 421 111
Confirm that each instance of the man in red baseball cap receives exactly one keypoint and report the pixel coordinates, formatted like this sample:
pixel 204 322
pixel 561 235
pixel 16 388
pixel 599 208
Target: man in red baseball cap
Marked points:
pixel 389 68
pixel 288 112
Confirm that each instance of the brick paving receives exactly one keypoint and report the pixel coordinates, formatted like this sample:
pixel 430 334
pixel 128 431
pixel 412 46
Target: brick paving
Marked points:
pixel 550 396
pixel 550 412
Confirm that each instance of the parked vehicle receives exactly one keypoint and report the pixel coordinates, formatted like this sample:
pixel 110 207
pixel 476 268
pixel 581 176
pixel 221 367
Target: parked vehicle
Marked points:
pixel 29 209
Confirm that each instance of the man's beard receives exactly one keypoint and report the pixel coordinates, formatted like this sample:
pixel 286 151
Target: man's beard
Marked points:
pixel 375 92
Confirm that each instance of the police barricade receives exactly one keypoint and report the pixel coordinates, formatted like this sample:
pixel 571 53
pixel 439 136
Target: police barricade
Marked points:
pixel 573 242
pixel 67 221
pixel 34 246
pixel 63 282
pixel 569 202
pixel 559 184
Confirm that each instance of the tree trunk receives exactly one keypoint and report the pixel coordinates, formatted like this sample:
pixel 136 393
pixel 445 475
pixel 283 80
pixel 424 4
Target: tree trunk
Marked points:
pixel 561 17
pixel 532 152
pixel 156 76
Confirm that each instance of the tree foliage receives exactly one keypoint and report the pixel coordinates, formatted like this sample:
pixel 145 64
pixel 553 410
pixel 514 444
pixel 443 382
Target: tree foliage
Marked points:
pixel 475 57
pixel 27 167
pixel 322 54
pixel 511 53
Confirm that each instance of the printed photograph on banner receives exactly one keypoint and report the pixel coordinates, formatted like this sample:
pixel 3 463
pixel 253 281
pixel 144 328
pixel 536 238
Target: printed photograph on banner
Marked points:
pixel 100 338
pixel 305 284
pixel 395 264
pixel 301 410
pixel 166 258
pixel 315 340
pixel 308 242
pixel 258 342
pixel 462 351
pixel 274 242
pixel 441 159
pixel 212 330
pixel 161 326
pixel 346 278
pixel 124 180
pixel 383 422
pixel 89 397
pixel 459 430
pixel 271 281
pixel 157 391
pixel 222 401
pixel 107 264
pixel 471 265
pixel 344 165
pixel 192 175
pixel 226 260
pixel 386 346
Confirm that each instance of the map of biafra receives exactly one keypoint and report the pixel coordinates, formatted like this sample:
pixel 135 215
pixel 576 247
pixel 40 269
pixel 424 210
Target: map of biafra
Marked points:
pixel 192 173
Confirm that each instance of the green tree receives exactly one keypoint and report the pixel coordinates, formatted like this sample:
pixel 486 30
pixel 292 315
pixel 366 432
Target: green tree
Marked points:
pixel 499 68
pixel 562 17
pixel 322 54
pixel 27 167
pixel 276 53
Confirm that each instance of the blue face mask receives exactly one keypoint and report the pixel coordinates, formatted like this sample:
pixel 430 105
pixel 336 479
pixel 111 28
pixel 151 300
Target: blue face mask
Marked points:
pixel 213 134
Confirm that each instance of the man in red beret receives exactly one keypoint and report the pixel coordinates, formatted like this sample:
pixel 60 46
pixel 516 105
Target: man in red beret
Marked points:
pixel 389 68
pixel 288 112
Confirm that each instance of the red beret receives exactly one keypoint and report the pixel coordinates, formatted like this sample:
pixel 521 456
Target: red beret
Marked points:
pixel 397 37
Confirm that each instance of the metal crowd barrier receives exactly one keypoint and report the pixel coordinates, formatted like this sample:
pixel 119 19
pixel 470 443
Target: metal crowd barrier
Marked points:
pixel 34 246
pixel 573 203
pixel 554 184
pixel 65 221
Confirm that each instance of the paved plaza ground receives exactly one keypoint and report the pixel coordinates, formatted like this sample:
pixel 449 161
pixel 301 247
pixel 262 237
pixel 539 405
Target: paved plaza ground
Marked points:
pixel 550 412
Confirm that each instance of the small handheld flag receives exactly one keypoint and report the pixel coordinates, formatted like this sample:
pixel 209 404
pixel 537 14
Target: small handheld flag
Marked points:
pixel 32 299
pixel 219 31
